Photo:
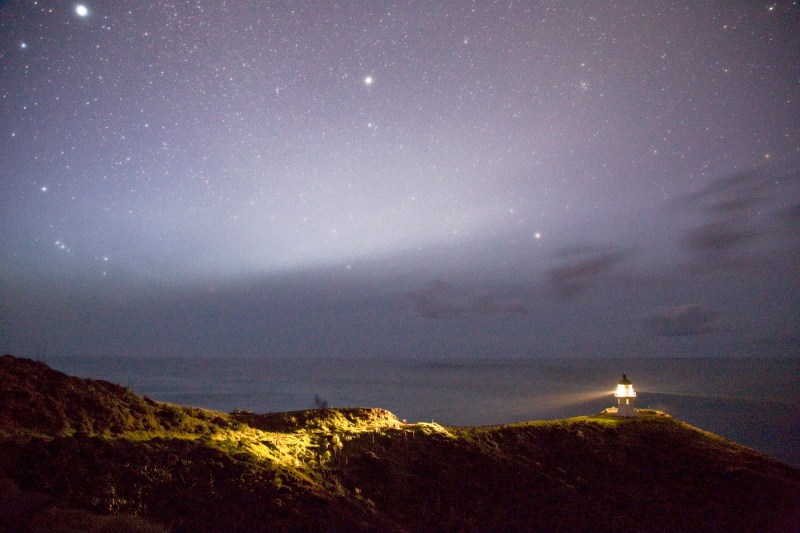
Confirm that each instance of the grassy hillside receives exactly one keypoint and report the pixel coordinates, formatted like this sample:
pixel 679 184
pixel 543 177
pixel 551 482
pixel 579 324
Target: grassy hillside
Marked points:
pixel 86 454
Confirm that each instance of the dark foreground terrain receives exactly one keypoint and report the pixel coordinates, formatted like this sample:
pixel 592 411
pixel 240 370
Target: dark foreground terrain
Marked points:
pixel 87 455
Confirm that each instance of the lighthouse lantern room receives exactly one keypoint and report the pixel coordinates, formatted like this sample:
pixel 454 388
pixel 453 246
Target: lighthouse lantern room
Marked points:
pixel 625 397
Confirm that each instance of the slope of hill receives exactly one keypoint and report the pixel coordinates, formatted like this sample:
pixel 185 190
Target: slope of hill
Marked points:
pixel 90 455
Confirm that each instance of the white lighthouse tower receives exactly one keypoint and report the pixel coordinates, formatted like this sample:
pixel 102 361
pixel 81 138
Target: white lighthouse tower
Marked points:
pixel 625 397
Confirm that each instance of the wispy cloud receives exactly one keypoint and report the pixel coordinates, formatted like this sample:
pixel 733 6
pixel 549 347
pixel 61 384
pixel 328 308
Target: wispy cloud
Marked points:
pixel 718 237
pixel 681 320
pixel 440 300
pixel 580 268
pixel 742 216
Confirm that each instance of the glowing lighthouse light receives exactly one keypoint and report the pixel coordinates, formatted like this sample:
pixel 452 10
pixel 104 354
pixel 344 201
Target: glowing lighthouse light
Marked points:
pixel 625 397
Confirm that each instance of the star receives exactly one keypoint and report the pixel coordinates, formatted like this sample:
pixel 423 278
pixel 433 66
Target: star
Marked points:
pixel 194 165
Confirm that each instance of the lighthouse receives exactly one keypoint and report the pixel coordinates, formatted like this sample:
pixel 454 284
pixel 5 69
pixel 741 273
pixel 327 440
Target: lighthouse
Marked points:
pixel 625 397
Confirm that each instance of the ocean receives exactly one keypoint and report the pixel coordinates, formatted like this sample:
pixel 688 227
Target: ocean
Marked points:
pixel 755 402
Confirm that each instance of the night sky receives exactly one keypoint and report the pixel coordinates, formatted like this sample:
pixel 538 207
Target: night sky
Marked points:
pixel 400 179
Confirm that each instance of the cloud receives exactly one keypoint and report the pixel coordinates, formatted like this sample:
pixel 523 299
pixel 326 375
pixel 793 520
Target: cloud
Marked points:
pixel 581 267
pixel 744 190
pixel 785 338
pixel 790 220
pixel 792 214
pixel 781 341
pixel 440 300
pixel 718 238
pixel 681 320
pixel 743 217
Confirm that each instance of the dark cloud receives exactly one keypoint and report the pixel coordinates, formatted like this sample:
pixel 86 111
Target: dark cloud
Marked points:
pixel 440 300
pixel 581 267
pixel 718 238
pixel 793 214
pixel 733 206
pixel 681 320
pixel 732 192
pixel 783 340
pixel 743 217
pixel 790 220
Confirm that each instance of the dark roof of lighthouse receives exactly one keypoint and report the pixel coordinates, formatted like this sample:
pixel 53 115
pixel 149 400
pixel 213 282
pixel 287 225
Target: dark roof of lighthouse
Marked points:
pixel 624 380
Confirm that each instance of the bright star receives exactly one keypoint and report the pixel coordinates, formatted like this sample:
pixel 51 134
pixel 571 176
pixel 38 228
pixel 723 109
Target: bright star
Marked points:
pixel 369 80
pixel 81 10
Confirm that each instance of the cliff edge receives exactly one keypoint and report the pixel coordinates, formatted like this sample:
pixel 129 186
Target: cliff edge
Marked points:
pixel 94 456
